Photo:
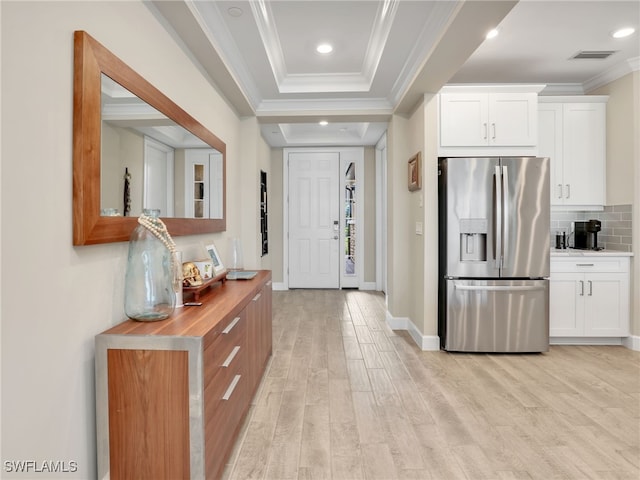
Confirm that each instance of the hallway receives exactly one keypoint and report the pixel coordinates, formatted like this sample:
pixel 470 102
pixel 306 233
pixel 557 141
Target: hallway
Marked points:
pixel 344 397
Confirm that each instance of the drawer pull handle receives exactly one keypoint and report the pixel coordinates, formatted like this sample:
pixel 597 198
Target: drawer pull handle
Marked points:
pixel 581 288
pixel 231 325
pixel 269 283
pixel 584 264
pixel 231 356
pixel 590 288
pixel 232 387
pixel 257 297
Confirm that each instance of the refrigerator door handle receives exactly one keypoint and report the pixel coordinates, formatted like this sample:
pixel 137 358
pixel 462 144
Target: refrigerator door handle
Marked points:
pixel 498 288
pixel 497 224
pixel 506 215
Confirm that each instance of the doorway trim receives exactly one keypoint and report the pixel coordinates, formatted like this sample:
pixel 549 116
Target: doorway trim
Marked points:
pixel 351 154
pixel 381 214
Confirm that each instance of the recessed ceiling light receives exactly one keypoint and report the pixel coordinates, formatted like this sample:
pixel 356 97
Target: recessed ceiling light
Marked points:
pixel 623 32
pixel 235 11
pixel 492 33
pixel 323 123
pixel 324 48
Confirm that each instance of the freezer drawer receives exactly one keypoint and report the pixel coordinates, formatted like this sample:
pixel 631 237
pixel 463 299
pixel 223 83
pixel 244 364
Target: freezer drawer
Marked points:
pixel 497 316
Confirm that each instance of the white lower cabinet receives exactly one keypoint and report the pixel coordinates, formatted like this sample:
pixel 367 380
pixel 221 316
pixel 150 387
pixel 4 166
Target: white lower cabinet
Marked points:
pixel 589 297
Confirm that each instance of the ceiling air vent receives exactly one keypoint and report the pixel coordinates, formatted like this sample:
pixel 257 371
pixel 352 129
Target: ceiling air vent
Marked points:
pixel 593 54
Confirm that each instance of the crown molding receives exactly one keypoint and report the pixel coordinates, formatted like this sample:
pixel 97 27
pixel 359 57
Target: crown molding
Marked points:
pixel 209 18
pixel 345 106
pixel 431 32
pixel 378 39
pixel 314 83
pixel 563 89
pixel 617 71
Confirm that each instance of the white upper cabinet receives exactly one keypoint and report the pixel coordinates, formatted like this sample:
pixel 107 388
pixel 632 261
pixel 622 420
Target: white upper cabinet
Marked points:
pixel 572 134
pixel 488 121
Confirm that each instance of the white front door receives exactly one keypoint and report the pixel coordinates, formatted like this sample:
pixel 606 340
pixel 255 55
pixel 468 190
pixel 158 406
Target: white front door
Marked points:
pixel 314 220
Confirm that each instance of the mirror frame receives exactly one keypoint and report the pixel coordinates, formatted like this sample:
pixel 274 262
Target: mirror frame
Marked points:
pixel 91 59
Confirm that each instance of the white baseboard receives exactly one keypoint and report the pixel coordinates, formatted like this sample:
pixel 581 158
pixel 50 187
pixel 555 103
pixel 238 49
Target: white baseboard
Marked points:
pixel 632 342
pixel 427 343
pixel 279 286
pixel 590 341
pixel 368 286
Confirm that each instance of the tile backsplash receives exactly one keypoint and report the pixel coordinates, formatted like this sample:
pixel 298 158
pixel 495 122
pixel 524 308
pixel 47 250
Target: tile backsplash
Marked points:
pixel 616 226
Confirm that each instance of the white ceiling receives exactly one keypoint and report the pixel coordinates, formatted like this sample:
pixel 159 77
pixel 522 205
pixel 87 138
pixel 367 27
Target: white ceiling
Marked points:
pixel 388 53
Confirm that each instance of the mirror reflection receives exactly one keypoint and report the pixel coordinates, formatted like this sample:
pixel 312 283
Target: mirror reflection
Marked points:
pixel 150 162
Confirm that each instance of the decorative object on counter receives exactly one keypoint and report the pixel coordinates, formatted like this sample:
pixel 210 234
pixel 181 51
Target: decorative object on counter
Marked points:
pixel 127 192
pixel 178 289
pixel 235 251
pixel 193 293
pixel 218 267
pixel 153 271
pixel 205 266
pixel 191 275
pixel 241 275
pixel 561 240
pixel 415 172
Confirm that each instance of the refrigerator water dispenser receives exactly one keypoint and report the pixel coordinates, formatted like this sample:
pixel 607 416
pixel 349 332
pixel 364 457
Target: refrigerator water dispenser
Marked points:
pixel 473 240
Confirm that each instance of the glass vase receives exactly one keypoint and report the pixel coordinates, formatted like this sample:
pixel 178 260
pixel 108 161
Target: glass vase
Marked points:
pixel 149 282
pixel 235 254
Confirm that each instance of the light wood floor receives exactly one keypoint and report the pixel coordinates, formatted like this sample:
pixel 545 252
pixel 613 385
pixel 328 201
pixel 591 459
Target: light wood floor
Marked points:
pixel 344 397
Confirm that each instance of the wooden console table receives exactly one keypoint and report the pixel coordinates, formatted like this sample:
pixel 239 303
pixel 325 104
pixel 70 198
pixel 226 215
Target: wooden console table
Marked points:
pixel 171 395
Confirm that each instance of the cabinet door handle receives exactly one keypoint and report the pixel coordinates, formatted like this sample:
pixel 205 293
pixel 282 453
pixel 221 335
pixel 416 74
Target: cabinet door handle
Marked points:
pixel 486 132
pixel 232 387
pixel 257 297
pixel 568 190
pixel 231 325
pixel 493 126
pixel 590 288
pixel 231 356
pixel 559 190
pixel 581 288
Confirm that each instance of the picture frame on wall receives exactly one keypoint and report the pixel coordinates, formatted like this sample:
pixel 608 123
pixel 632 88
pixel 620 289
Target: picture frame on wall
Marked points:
pixel 415 172
pixel 218 266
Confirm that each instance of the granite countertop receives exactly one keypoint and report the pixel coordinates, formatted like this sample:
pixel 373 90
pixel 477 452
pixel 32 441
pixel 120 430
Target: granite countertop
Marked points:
pixel 571 252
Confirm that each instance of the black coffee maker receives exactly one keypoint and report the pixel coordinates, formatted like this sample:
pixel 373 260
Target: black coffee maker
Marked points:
pixel 585 235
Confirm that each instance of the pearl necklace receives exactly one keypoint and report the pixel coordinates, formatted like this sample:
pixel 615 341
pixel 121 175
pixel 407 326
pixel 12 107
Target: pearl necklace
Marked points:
pixel 159 230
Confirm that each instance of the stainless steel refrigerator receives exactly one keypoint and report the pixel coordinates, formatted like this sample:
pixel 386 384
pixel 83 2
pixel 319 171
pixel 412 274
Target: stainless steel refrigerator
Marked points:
pixel 494 254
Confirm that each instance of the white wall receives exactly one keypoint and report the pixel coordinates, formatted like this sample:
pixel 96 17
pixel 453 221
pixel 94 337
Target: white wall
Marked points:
pixel 56 297
pixel 623 167
pixel 413 257
pixel 399 292
pixel 430 164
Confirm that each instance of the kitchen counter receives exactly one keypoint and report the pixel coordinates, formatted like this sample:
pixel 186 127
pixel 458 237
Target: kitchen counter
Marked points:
pixel 571 252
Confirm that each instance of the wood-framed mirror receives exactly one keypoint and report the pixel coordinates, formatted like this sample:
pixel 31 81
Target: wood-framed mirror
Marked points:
pixel 93 63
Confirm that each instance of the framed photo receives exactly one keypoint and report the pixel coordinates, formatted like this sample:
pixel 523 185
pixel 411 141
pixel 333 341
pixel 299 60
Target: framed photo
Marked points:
pixel 415 172
pixel 218 267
